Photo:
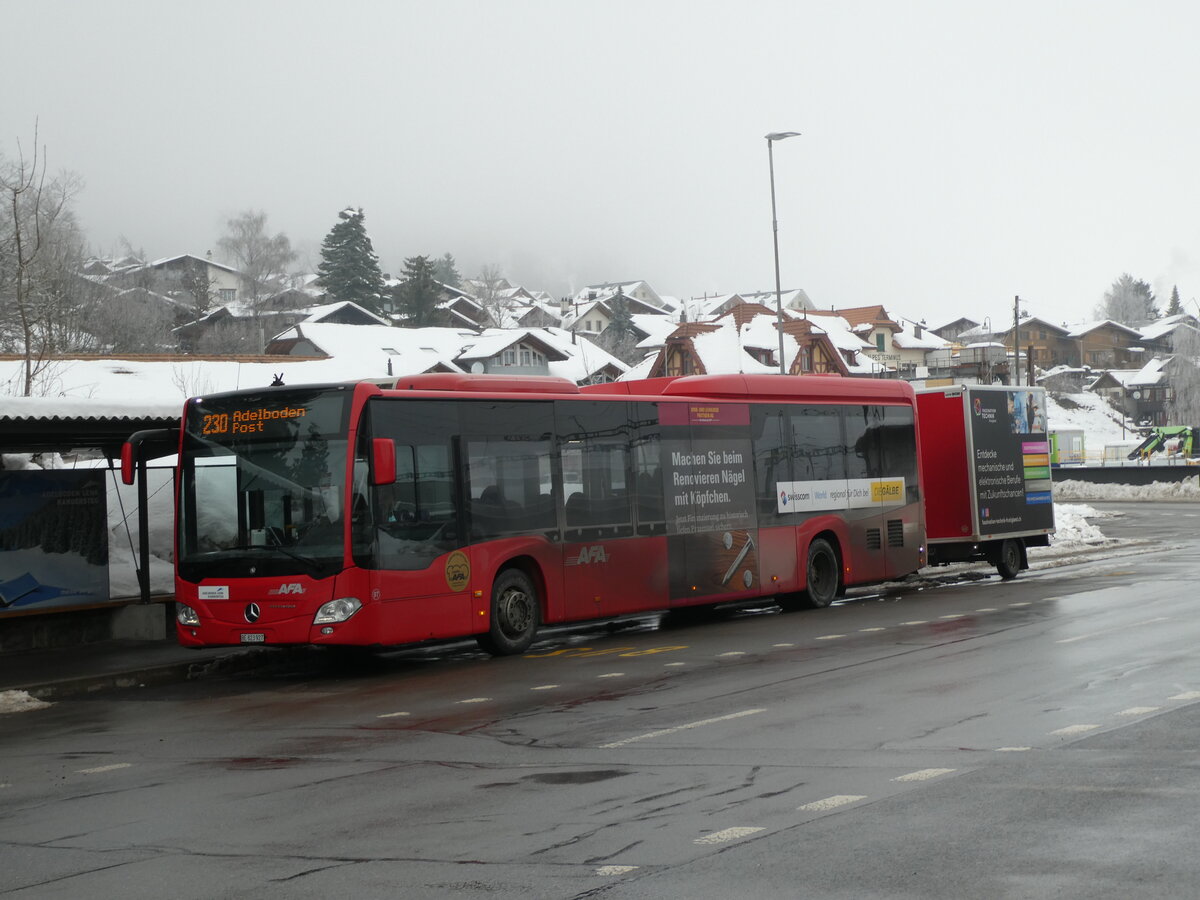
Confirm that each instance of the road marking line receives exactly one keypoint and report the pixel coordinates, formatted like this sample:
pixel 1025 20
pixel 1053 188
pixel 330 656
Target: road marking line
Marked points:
pixel 987 609
pixel 829 637
pixel 611 675
pixel 732 653
pixel 1074 729
pixel 954 616
pixel 544 687
pixel 729 834
pixel 391 715
pixel 677 728
pixel 831 802
pixel 1186 695
pixel 1139 710
pixel 676 664
pixel 614 870
pixel 1092 634
pixel 476 700
pixel 923 774
pixel 1023 603
pixel 783 645
pixel 872 629
pixel 916 622
pixel 1012 749
pixel 99 769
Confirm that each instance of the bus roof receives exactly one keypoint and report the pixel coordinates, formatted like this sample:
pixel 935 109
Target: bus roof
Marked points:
pixel 814 388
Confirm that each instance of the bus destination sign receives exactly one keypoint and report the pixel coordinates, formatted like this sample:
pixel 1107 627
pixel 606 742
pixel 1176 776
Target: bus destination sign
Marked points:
pixel 250 420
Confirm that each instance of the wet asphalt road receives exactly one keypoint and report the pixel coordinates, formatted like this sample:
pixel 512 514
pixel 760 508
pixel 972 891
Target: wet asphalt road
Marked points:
pixel 1035 738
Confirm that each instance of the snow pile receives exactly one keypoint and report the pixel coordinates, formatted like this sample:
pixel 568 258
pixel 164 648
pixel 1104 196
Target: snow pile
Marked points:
pixel 1071 525
pixel 19 701
pixel 1186 490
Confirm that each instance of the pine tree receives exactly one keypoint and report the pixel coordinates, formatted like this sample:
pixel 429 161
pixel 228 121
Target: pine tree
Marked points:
pixel 1175 307
pixel 445 271
pixel 418 295
pixel 349 268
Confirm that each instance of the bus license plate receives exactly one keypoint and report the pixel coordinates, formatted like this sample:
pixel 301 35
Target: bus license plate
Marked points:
pixel 254 638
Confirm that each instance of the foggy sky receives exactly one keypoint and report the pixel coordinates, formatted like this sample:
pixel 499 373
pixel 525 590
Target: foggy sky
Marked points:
pixel 953 154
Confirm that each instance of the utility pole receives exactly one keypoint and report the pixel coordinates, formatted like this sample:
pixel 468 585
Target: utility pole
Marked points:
pixel 1015 375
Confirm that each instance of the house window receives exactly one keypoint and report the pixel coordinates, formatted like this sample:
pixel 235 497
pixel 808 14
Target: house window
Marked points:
pixel 879 342
pixel 227 295
pixel 805 359
pixel 526 357
pixel 508 358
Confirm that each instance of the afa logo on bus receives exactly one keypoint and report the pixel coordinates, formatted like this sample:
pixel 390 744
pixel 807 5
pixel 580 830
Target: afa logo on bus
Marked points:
pixel 458 571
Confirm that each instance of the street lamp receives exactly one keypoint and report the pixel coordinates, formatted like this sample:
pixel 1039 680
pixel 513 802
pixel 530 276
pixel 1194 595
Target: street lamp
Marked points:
pixel 771 139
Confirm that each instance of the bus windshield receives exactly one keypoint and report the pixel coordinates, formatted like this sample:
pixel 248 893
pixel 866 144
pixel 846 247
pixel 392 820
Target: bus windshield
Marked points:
pixel 263 484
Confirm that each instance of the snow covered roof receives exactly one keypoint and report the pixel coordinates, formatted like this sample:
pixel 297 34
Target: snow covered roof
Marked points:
pixel 167 260
pixel 1164 326
pixel 1081 328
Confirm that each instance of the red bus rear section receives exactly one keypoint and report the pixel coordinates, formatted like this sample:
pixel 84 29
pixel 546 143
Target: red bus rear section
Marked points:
pixel 448 505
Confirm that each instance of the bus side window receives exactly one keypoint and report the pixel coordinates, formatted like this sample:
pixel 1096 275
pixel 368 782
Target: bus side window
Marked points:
pixel 772 458
pixel 647 469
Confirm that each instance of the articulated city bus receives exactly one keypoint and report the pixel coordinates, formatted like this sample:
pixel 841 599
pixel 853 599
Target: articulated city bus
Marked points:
pixel 449 505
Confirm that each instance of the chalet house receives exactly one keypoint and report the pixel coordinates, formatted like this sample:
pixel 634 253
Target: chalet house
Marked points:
pixel 227 283
pixel 794 299
pixel 1143 395
pixel 1107 345
pixel 1160 335
pixel 1045 343
pixel 522 352
pixel 633 290
pixel 272 321
pixel 413 351
pixel 594 316
pixel 746 339
pixel 878 329
pixel 952 331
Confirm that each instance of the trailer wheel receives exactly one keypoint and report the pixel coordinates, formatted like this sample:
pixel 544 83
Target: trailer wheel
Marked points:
pixel 515 613
pixel 1008 559
pixel 824 575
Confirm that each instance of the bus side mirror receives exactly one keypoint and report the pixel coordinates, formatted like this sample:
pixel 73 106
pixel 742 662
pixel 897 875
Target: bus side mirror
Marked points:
pixel 128 470
pixel 383 461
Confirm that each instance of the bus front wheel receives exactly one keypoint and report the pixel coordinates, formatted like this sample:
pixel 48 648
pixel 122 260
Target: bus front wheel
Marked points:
pixel 514 619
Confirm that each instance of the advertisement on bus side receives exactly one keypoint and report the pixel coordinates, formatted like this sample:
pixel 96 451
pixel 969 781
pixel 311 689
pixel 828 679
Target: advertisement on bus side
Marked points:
pixel 712 526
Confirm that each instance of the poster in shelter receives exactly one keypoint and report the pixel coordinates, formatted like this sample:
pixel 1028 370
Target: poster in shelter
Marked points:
pixel 53 540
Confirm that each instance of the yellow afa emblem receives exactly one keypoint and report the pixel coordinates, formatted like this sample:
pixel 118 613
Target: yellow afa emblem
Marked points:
pixel 458 571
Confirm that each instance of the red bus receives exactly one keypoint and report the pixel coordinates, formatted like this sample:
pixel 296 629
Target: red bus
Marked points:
pixel 454 505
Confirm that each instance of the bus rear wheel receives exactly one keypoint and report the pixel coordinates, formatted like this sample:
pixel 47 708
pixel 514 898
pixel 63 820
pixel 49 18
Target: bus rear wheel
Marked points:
pixel 514 619
pixel 823 579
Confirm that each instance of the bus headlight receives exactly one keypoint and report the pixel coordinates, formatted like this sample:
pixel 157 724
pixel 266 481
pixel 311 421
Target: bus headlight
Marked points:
pixel 337 610
pixel 185 615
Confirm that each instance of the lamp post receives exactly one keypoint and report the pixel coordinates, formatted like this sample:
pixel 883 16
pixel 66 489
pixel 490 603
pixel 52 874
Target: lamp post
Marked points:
pixel 771 139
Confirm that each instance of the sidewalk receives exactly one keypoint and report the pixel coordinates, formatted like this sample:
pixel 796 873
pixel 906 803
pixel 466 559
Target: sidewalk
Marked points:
pixel 70 671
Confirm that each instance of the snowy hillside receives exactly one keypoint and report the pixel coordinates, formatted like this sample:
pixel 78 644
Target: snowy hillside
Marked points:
pixel 1090 413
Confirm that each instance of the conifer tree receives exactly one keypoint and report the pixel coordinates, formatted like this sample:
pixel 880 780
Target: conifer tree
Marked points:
pixel 418 295
pixel 349 268
pixel 445 271
pixel 1175 307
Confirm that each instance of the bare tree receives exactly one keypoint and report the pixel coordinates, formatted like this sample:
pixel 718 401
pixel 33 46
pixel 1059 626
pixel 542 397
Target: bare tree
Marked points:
pixel 261 258
pixel 38 236
pixel 489 286
pixel 1184 406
